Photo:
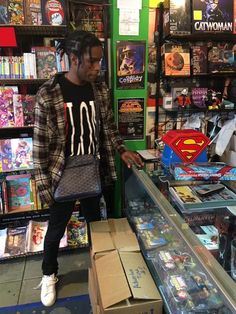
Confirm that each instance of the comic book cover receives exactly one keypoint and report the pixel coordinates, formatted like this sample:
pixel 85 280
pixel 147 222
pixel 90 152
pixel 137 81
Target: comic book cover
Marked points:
pixel 19 193
pixel 188 198
pixel 213 16
pixel 198 96
pixel 37 231
pixel 45 61
pixel 22 157
pixel 199 59
pixel 176 59
pixel 222 58
pixel 28 102
pixel 33 15
pixel 177 17
pixel 130 64
pixel 6 154
pixel 16 241
pixel 16 12
pixel 185 195
pixel 53 12
pixel 77 231
pixel 206 217
pixel 3 12
pixel 18 110
pixel 131 118
pixel 3 238
pixel 6 105
pixel 88 18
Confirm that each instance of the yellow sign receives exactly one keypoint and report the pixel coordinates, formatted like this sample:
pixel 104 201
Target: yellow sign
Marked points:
pixel 197 15
pixel 154 3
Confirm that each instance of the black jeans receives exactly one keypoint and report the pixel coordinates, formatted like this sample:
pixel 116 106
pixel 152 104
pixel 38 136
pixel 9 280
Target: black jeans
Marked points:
pixel 60 214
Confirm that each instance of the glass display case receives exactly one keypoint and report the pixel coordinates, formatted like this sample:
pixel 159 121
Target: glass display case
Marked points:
pixel 188 276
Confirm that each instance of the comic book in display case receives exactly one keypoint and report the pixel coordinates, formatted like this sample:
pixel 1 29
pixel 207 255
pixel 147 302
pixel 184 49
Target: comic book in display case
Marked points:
pixel 187 274
pixel 189 197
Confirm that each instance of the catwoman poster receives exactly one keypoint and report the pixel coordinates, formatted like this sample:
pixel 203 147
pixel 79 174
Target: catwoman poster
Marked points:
pixel 130 69
pixel 213 16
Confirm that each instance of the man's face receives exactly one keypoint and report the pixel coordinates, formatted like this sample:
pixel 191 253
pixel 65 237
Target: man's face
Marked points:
pixel 90 66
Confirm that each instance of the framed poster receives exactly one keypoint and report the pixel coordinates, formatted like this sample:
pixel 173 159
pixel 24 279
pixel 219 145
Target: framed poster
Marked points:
pixel 131 118
pixel 130 64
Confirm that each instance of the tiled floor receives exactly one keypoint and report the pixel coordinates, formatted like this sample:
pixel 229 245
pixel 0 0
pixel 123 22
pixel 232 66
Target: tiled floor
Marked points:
pixel 19 276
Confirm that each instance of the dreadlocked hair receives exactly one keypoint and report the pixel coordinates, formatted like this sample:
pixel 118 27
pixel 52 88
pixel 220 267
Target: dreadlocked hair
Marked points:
pixel 78 42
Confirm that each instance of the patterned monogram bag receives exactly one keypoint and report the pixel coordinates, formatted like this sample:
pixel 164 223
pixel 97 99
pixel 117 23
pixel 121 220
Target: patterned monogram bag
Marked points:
pixel 80 179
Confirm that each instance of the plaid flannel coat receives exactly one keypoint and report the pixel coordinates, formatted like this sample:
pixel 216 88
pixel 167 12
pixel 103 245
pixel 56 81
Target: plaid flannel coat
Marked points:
pixel 50 137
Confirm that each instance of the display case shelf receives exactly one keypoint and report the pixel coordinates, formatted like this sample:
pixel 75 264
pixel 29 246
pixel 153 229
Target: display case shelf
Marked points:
pixel 190 278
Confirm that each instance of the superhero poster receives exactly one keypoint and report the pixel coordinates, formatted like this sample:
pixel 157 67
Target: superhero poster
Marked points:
pixel 131 118
pixel 213 16
pixel 130 64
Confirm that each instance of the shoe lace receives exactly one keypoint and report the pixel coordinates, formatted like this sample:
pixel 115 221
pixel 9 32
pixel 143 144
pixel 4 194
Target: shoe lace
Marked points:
pixel 49 281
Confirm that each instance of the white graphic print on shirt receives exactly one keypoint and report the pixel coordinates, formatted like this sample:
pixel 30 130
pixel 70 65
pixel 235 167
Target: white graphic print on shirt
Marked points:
pixel 87 118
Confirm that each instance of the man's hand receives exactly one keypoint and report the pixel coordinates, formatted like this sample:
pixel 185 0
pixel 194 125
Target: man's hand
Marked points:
pixel 131 158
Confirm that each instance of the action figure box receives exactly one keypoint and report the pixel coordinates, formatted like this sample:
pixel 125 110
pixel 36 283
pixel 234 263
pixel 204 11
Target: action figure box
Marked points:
pixel 199 59
pixel 212 16
pixel 199 95
pixel 205 171
pixel 176 59
pixel 222 58
pixel 177 17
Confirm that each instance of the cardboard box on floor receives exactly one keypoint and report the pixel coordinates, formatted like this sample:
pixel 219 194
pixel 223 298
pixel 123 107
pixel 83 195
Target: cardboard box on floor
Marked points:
pixel 119 280
pixel 124 285
pixel 112 234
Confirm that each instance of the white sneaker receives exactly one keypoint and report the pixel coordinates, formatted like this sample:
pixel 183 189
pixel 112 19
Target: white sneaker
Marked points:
pixel 48 289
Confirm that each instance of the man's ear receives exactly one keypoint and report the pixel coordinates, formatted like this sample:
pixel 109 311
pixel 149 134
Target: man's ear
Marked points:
pixel 74 59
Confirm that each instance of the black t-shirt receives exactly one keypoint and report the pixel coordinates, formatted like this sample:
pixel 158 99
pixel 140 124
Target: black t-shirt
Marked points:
pixel 80 117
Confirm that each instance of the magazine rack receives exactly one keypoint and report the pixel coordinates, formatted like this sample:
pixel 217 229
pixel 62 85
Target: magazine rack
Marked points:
pixel 188 276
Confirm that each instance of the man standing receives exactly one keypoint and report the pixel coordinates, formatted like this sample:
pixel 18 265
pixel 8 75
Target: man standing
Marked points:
pixel 65 124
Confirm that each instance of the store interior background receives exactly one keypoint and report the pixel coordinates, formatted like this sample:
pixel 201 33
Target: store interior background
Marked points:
pixel 21 274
